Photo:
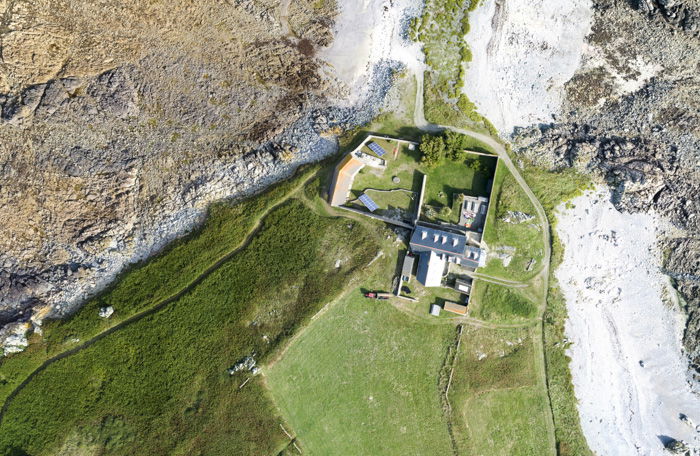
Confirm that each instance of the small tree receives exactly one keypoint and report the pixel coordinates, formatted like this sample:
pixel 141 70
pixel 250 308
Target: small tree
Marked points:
pixel 432 149
pixel 455 144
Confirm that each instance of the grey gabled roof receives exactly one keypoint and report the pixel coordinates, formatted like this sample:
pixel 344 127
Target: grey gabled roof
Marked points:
pixel 407 268
pixel 426 238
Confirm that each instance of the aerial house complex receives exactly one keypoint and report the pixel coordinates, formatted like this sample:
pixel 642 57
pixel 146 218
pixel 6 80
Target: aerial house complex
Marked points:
pixel 446 232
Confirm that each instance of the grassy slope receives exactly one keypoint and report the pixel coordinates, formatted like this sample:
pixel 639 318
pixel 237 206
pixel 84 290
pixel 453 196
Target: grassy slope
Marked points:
pixel 362 380
pixel 498 407
pixel 551 189
pixel 524 237
pixel 147 283
pixel 164 378
pixel 500 304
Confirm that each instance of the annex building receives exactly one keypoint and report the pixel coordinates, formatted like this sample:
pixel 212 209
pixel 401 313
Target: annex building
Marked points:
pixel 436 248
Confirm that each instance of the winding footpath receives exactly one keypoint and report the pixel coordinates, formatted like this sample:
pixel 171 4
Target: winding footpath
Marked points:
pixel 541 280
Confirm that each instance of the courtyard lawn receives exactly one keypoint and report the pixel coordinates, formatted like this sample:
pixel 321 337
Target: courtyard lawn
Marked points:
pixel 362 379
pixel 498 407
pixel 445 182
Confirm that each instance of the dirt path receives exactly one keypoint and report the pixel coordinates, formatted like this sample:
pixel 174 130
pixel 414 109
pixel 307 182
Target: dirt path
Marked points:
pixel 499 281
pixel 156 307
pixel 541 280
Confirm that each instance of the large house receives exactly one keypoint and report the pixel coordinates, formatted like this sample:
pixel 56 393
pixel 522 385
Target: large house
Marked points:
pixel 437 247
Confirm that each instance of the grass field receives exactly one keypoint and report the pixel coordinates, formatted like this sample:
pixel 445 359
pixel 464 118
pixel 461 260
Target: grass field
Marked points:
pixel 498 408
pixel 551 189
pixel 147 283
pixel 500 304
pixel 160 385
pixel 524 237
pixel 363 380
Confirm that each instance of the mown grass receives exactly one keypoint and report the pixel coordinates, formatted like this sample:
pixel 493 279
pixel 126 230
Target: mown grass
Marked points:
pixel 362 379
pixel 525 237
pixel 164 378
pixel 500 304
pixel 498 407
pixel 144 284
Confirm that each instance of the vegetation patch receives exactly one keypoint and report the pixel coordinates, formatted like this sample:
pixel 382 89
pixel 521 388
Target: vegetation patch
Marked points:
pixel 441 29
pixel 362 379
pixel 161 384
pixel 147 283
pixel 513 233
pixel 498 407
pixel 500 303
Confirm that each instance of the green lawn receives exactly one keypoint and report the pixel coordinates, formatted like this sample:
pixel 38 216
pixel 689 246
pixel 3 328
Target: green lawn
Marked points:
pixel 450 179
pixel 497 406
pixel 160 385
pixel 362 380
pixel 500 304
pixel 524 237
pixel 445 182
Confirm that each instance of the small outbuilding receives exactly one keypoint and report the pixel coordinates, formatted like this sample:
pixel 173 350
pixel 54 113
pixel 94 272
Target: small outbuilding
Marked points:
pixel 463 286
pixel 407 268
pixel 453 307
pixel 434 310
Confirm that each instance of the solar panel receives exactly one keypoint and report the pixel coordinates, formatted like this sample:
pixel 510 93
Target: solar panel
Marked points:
pixel 367 201
pixel 376 148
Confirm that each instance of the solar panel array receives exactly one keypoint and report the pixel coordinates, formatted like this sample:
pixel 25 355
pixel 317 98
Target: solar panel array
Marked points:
pixel 376 148
pixel 367 201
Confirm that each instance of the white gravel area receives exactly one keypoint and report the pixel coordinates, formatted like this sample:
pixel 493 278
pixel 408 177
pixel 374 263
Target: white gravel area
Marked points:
pixel 524 51
pixel 367 33
pixel 630 375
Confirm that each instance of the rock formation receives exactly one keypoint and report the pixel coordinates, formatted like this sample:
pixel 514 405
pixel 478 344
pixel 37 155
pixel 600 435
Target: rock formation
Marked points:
pixel 120 122
pixel 633 118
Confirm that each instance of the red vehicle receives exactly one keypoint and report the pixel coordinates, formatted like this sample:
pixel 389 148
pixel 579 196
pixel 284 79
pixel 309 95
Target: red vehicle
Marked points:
pixel 377 295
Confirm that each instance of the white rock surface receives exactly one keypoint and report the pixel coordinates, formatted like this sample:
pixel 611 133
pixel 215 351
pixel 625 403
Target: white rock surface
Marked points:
pixel 367 33
pixel 106 312
pixel 524 51
pixel 13 337
pixel 621 312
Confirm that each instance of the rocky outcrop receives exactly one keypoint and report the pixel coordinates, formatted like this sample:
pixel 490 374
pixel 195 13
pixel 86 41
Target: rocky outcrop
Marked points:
pixel 120 123
pixel 633 118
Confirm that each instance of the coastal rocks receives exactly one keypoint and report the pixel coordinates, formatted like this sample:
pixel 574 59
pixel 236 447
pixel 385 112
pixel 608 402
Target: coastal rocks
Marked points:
pixel 516 217
pixel 105 312
pixel 113 144
pixel 13 337
pixel 246 364
pixel 641 135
